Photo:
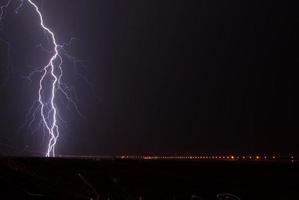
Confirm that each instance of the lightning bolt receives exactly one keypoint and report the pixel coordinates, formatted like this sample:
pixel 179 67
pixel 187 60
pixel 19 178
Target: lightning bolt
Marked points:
pixel 48 108
pixel 50 81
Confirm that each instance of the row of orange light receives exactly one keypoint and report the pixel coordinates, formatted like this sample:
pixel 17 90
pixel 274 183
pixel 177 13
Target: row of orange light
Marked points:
pixel 201 157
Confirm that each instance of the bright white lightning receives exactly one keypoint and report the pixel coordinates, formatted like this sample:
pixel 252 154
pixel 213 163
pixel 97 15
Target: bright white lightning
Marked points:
pixel 50 82
pixel 49 116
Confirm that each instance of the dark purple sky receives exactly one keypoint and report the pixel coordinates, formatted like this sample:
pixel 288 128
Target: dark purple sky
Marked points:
pixel 169 76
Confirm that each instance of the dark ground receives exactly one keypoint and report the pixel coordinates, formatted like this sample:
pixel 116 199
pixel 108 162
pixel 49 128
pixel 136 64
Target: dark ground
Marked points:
pixel 62 178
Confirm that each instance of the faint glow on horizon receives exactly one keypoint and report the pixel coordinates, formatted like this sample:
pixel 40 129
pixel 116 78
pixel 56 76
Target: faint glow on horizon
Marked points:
pixel 214 157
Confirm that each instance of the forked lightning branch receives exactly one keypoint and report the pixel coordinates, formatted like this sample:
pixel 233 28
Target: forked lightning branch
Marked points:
pixel 50 81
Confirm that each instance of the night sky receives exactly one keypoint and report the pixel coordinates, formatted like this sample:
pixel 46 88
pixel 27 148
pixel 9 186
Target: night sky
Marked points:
pixel 165 77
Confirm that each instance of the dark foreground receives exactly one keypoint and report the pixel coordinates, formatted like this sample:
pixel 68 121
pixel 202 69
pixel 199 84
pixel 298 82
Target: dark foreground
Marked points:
pixel 103 179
